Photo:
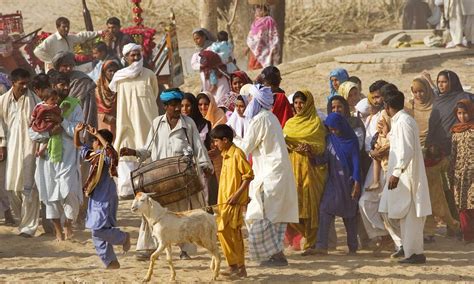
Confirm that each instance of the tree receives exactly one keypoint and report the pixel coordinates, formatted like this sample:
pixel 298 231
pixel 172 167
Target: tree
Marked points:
pixel 208 15
pixel 279 16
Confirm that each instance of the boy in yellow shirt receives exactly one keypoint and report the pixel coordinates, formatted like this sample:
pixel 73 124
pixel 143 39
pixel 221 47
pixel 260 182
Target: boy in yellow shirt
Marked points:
pixel 232 198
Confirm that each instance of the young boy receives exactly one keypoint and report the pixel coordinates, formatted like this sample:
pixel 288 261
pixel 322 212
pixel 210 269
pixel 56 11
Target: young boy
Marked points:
pixel 235 178
pixel 103 199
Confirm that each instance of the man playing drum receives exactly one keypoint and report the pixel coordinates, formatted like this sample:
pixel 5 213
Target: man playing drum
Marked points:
pixel 171 134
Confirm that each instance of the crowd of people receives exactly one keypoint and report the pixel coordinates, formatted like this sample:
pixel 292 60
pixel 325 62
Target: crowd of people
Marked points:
pixel 384 162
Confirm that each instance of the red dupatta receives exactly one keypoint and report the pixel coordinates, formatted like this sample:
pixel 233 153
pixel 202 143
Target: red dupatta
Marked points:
pixel 282 108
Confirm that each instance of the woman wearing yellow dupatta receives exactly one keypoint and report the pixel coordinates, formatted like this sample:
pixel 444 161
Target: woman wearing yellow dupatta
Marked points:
pixel 305 137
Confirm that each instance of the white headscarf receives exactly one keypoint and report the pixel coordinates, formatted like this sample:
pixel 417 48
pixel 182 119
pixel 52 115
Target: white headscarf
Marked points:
pixel 132 71
pixel 262 98
pixel 238 123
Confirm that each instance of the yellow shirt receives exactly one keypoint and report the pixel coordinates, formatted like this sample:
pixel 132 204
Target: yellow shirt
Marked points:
pixel 235 169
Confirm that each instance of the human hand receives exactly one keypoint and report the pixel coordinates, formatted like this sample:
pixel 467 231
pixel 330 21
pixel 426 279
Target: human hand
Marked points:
pixel 382 127
pixel 233 199
pixel 3 154
pixel 393 182
pixel 57 129
pixel 127 152
pixel 79 127
pixel 92 130
pixel 355 191
pixel 49 117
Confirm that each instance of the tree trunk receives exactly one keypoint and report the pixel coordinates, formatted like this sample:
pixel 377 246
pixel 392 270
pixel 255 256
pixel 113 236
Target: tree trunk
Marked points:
pixel 208 15
pixel 279 16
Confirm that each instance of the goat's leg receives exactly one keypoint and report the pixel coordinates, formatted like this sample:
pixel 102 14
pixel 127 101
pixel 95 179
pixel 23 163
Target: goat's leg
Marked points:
pixel 153 258
pixel 215 262
pixel 170 263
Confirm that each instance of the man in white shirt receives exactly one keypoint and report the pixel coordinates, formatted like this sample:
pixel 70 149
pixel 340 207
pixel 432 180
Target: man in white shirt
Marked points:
pixel 60 41
pixel 405 197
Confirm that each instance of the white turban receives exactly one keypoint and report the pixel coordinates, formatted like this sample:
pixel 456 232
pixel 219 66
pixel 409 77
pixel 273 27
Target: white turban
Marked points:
pixel 131 47
pixel 363 107
pixel 262 99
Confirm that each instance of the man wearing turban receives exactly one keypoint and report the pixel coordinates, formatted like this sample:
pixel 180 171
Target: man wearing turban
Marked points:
pixel 170 135
pixel 137 89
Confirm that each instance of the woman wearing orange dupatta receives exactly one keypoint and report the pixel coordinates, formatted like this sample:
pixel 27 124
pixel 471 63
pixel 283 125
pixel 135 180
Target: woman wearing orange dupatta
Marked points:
pixel 305 136
pixel 106 99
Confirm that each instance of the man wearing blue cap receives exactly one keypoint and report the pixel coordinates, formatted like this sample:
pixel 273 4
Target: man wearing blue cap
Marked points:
pixel 169 136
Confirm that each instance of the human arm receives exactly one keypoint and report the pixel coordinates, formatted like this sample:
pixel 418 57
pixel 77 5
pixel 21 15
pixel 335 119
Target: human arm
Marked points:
pixel 43 50
pixel 405 139
pixel 143 153
pixel 253 137
pixel 200 151
pixel 77 140
pixel 83 36
pixel 3 141
pixel 246 172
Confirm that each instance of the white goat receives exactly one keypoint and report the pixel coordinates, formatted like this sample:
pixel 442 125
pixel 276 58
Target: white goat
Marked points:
pixel 169 228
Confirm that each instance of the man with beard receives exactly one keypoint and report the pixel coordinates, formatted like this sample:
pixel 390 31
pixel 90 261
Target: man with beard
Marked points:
pixel 59 182
pixel 137 89
pixel 369 201
pixel 16 107
pixel 60 41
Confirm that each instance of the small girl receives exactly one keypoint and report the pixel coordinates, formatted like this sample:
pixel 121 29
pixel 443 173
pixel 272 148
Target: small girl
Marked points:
pixel 237 120
pixel 382 143
pixel 462 169
pixel 49 106
pixel 225 50
pixel 102 192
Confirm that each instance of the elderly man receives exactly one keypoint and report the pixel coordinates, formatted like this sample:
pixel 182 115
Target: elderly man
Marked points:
pixel 405 197
pixel 137 89
pixel 16 107
pixel 169 136
pixel 59 182
pixel 274 200
pixel 81 86
pixel 115 39
pixel 60 41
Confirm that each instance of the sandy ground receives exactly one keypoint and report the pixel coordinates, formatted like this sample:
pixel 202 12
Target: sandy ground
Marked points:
pixel 43 259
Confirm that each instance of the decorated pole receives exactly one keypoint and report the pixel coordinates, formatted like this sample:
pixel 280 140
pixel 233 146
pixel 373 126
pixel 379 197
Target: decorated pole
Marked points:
pixel 137 11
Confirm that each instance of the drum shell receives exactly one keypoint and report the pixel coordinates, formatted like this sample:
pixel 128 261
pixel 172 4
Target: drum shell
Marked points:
pixel 170 180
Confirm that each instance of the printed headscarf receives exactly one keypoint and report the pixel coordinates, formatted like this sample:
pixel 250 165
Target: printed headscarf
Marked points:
pixel 262 98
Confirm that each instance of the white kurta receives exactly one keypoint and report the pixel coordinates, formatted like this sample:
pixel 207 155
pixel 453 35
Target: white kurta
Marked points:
pixel 453 13
pixel 168 143
pixel 410 201
pixel 274 177
pixel 136 109
pixel 59 184
pixel 468 13
pixel 55 43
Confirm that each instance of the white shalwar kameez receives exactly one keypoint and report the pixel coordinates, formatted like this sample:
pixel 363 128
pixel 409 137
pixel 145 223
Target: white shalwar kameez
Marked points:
pixel 169 143
pixel 409 202
pixel 20 162
pixel 59 184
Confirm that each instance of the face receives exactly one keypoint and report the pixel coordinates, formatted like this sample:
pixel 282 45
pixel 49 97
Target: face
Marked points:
pixel 443 84
pixel 133 56
pixel 335 131
pixel 298 104
pixel 63 29
pixel 62 89
pixel 113 29
pixel 240 107
pixel 173 109
pixel 96 145
pixel 390 111
pixel 98 55
pixel 21 86
pixel 220 144
pixel 418 93
pixel 237 84
pixel 198 40
pixel 337 106
pixel 378 100
pixel 110 71
pixel 186 107
pixel 462 115
pixel 354 97
pixel 66 68
pixel 335 83
pixel 53 100
pixel 203 105
pixel 39 92
pixel 259 12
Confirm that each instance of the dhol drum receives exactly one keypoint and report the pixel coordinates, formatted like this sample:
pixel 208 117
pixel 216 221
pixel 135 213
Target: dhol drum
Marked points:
pixel 171 179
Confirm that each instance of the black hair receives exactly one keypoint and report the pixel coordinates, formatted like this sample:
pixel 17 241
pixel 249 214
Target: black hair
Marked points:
pixel 355 79
pixel 344 103
pixel 48 93
pixel 113 21
pixel 388 88
pixel 300 95
pixel 393 98
pixel 62 20
pixel 240 98
pixel 222 36
pixel 201 33
pixel 377 85
pixel 262 6
pixel 101 46
pixel 202 96
pixel 271 74
pixel 20 73
pixel 40 82
pixel 454 82
pixel 107 135
pixel 56 77
pixel 222 131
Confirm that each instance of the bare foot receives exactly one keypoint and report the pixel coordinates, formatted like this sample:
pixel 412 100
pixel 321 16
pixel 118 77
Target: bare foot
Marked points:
pixel 113 265
pixel 373 187
pixel 59 237
pixel 68 230
pixel 126 245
